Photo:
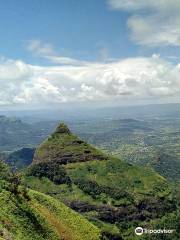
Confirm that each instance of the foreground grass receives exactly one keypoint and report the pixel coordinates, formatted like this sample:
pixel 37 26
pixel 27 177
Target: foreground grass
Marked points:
pixel 41 218
pixel 19 221
pixel 66 223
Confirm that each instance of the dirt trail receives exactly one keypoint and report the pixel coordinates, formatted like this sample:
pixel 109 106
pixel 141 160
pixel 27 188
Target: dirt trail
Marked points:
pixel 51 218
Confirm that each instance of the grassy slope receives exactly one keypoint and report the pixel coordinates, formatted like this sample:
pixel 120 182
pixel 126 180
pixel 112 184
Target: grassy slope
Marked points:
pixel 66 222
pixel 154 142
pixel 18 220
pixel 81 160
pixel 65 147
pixel 117 174
pixel 151 187
pixel 41 218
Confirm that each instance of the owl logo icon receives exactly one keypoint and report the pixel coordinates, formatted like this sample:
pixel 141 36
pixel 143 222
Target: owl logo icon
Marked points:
pixel 139 231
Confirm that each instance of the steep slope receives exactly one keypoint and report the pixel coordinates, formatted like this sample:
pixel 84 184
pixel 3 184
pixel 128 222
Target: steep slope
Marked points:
pixel 68 224
pixel 114 195
pixel 151 142
pixel 64 147
pixel 29 215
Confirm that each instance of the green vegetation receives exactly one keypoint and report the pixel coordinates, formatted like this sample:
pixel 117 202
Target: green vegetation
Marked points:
pixel 149 142
pixel 26 215
pixel 18 220
pixel 113 195
pixel 64 147
pixel 51 170
pixel 73 191
pixel 69 224
pixel 154 140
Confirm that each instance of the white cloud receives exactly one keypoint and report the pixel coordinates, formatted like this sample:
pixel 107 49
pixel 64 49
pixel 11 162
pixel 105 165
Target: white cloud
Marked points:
pixel 133 78
pixel 40 48
pixel 152 22
pixel 64 60
pixel 46 50
pixel 13 70
pixel 131 5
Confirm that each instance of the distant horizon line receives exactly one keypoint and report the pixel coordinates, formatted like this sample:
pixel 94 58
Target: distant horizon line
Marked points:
pixel 82 106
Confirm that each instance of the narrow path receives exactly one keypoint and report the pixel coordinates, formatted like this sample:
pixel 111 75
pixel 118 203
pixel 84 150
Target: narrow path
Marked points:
pixel 53 220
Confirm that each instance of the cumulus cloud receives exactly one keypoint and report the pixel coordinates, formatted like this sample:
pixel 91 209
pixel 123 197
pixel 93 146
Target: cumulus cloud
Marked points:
pixel 13 70
pixel 152 22
pixel 132 78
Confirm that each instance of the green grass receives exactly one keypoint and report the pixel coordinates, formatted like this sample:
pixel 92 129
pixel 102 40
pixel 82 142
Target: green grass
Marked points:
pixel 138 183
pixel 61 192
pixel 70 224
pixel 42 218
pixel 62 146
pixel 20 221
pixel 118 174
pixel 28 215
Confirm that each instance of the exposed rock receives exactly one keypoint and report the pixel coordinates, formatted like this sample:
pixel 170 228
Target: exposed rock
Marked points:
pixel 63 147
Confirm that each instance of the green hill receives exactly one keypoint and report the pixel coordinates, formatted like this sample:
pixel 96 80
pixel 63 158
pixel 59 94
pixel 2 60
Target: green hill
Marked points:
pixel 151 142
pixel 114 195
pixel 63 147
pixel 33 215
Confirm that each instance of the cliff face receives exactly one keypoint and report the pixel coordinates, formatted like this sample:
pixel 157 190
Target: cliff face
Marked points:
pixel 63 147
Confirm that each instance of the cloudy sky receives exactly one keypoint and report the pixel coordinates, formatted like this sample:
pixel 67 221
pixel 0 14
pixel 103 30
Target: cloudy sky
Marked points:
pixel 105 51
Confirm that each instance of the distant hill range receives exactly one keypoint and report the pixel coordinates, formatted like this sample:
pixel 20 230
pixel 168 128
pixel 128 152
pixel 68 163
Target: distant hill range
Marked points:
pixel 15 134
pixel 151 142
pixel 76 112
pixel 20 158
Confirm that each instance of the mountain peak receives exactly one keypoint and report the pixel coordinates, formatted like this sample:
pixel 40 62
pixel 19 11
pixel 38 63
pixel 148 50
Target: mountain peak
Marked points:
pixel 62 128
pixel 64 147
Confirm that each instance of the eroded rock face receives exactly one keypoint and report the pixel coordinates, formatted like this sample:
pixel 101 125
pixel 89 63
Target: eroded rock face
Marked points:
pixel 63 147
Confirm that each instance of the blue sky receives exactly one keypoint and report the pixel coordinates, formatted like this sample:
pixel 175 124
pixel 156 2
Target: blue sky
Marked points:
pixel 79 29
pixel 94 50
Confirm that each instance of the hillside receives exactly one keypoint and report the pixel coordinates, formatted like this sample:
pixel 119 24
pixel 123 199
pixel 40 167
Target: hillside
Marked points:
pixel 152 142
pixel 28 215
pixel 63 147
pixel 114 195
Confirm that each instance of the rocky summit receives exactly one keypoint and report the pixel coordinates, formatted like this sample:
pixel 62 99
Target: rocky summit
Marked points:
pixel 64 147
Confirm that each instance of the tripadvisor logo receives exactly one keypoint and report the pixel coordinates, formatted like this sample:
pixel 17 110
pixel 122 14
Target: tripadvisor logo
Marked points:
pixel 139 231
